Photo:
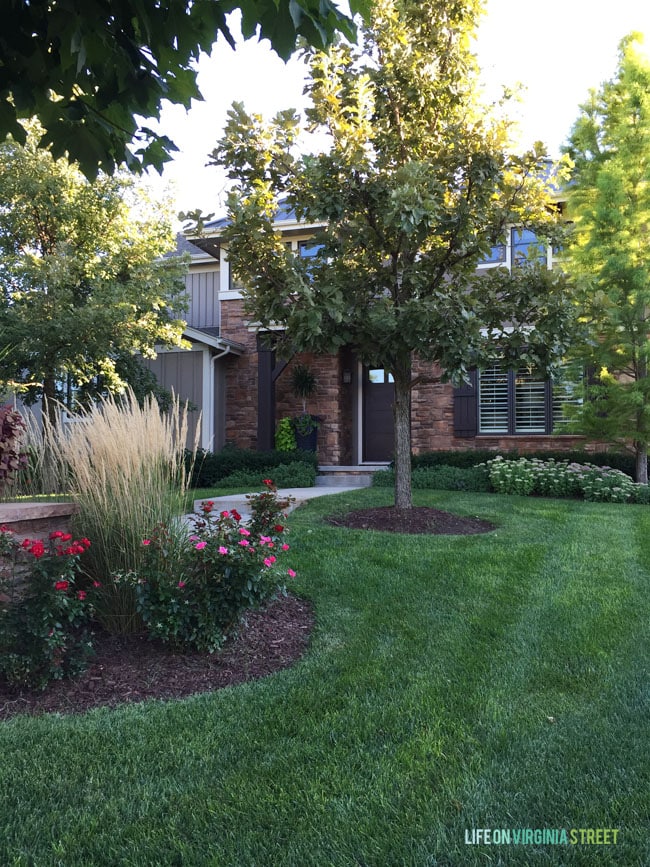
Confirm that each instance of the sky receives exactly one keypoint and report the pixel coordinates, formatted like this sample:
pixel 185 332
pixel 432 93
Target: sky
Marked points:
pixel 557 50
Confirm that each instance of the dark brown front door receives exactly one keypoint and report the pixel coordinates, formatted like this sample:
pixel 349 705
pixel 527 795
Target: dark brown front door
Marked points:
pixel 378 396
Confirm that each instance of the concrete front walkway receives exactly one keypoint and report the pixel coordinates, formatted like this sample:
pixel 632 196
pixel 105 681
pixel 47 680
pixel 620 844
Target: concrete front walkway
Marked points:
pixel 298 496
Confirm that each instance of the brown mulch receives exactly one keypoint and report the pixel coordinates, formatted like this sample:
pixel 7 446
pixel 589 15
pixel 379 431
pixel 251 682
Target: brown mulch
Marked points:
pixel 418 520
pixel 132 668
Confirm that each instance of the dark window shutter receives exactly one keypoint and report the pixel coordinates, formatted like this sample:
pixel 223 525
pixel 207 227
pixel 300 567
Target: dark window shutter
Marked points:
pixel 465 408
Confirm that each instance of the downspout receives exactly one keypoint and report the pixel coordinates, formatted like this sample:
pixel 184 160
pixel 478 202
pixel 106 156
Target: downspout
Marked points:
pixel 214 359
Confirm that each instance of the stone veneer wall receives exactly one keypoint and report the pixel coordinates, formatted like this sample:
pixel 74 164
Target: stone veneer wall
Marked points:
pixel 328 403
pixel 32 521
pixel 332 401
pixel 37 520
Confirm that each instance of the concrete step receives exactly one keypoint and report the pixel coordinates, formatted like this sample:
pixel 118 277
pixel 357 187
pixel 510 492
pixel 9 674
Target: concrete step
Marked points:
pixel 346 477
pixel 343 480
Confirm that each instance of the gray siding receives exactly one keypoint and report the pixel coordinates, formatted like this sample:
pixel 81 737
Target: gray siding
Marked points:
pixel 181 372
pixel 203 299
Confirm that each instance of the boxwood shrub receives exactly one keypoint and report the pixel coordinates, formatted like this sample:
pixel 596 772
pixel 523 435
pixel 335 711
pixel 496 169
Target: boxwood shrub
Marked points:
pixel 211 468
pixel 297 474
pixel 442 478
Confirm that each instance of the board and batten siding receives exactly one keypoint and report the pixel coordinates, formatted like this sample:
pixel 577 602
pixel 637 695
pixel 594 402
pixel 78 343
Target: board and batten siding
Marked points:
pixel 202 291
pixel 182 372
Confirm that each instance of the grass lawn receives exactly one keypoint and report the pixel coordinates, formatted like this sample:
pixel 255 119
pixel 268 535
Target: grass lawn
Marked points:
pixel 496 681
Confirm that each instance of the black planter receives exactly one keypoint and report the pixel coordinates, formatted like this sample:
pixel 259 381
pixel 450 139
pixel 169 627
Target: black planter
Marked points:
pixel 307 442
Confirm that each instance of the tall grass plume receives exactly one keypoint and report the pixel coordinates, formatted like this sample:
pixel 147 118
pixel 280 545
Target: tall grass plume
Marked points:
pixel 124 466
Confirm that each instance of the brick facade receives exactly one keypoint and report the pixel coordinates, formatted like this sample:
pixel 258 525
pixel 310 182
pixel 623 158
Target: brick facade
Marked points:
pixel 241 378
pixel 432 411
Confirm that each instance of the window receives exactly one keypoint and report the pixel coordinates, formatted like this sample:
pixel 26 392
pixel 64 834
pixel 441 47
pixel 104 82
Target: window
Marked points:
pixel 524 402
pixel 379 376
pixel 525 248
pixel 521 246
pixel 308 249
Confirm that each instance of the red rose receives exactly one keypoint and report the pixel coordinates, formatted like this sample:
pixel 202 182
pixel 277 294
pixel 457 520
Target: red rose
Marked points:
pixel 81 594
pixel 37 549
pixel 236 515
pixel 267 482
pixel 62 585
pixel 65 537
pixel 278 528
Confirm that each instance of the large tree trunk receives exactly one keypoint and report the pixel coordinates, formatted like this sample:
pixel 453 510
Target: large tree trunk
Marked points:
pixel 402 419
pixel 641 463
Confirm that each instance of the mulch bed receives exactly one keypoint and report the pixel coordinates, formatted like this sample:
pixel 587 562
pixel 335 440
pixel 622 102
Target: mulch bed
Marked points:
pixel 418 520
pixel 131 668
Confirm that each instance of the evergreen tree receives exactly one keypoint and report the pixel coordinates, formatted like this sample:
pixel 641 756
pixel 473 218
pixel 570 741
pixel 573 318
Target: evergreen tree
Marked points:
pixel 609 252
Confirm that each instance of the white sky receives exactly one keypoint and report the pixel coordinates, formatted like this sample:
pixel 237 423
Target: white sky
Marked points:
pixel 557 50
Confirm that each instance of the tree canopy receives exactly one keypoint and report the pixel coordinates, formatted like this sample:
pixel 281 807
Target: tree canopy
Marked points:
pixel 417 186
pixel 92 70
pixel 609 253
pixel 83 279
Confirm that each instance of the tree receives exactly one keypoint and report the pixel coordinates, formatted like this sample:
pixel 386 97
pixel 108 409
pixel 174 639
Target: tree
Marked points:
pixel 416 187
pixel 81 274
pixel 91 70
pixel 609 251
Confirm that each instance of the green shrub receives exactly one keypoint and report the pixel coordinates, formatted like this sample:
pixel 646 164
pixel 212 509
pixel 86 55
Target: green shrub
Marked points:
pixel 512 476
pixel 462 459
pixel 440 478
pixel 192 591
pixel 44 614
pixel 285 439
pixel 210 468
pixel 602 485
pixel 641 495
pixel 472 457
pixel 297 474
pixel 564 479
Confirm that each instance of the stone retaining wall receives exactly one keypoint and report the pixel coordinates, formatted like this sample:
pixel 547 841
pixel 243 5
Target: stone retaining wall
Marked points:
pixel 31 521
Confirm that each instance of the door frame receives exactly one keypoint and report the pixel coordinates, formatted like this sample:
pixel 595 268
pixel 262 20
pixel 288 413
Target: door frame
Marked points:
pixel 359 420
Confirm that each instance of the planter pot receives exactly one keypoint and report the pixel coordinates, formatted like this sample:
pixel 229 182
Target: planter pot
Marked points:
pixel 307 442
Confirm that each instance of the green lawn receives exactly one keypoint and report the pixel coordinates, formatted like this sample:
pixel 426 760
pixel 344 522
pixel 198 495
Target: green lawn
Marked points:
pixel 453 683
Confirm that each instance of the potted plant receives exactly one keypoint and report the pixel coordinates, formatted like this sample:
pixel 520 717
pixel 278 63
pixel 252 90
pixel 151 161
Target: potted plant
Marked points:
pixel 305 425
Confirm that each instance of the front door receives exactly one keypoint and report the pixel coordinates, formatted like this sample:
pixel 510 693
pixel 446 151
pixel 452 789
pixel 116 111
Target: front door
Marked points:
pixel 378 396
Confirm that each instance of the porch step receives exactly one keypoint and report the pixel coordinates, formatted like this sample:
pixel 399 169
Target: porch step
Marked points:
pixel 346 477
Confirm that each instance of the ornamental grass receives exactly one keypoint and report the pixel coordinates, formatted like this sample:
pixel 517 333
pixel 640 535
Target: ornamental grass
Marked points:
pixel 124 465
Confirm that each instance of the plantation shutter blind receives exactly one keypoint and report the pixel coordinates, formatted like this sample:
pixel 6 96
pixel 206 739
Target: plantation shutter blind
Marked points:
pixel 530 402
pixel 493 400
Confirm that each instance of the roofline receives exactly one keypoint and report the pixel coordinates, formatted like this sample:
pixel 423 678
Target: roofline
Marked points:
pixel 220 343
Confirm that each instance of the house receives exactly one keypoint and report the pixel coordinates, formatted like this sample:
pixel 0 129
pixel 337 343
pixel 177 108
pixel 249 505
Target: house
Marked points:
pixel 244 390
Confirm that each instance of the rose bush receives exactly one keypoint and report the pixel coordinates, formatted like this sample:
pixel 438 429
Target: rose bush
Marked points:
pixel 194 588
pixel 44 613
